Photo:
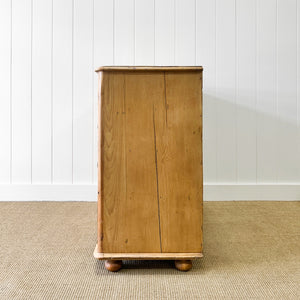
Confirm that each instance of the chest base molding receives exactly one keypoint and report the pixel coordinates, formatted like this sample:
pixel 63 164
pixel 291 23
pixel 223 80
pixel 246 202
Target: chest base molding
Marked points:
pixel 145 256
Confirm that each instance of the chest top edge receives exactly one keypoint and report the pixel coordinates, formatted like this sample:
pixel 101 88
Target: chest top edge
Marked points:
pixel 149 68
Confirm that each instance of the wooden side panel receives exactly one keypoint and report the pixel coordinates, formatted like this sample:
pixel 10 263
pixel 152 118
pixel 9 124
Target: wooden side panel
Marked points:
pixel 129 184
pixel 113 173
pixel 178 123
pixel 143 220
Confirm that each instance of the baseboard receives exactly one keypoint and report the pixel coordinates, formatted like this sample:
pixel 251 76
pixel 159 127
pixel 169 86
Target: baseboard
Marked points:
pixel 48 192
pixel 88 192
pixel 254 192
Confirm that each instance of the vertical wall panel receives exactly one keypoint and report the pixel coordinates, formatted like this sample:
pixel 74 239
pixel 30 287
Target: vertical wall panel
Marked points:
pixel 42 91
pixel 124 37
pixel 103 33
pixel 62 91
pixel 246 90
pixel 267 139
pixel 164 32
pixel 83 92
pixel 103 55
pixel 185 32
pixel 48 92
pixel 226 93
pixel 206 57
pixel 298 87
pixel 5 75
pixel 287 90
pixel 21 91
pixel 144 32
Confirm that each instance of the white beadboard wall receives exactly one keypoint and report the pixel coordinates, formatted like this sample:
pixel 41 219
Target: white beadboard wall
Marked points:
pixel 250 51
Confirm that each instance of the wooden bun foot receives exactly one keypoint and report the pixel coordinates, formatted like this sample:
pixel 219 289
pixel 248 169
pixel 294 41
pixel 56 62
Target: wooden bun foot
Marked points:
pixel 113 265
pixel 183 265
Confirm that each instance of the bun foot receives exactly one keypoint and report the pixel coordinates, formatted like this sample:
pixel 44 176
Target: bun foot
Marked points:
pixel 183 265
pixel 113 265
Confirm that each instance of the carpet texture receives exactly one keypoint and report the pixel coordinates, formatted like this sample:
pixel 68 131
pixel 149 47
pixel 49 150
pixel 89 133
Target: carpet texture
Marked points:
pixel 251 251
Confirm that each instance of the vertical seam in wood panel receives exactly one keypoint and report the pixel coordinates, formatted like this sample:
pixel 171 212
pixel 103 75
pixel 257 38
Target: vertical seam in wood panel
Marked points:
pixel 72 105
pixel 124 133
pixel 10 94
pixel 165 92
pixel 157 184
pixel 52 92
pixel 100 167
pixel 31 43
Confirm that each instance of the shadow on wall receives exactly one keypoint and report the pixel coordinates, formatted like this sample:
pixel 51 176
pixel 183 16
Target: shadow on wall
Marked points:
pixel 250 140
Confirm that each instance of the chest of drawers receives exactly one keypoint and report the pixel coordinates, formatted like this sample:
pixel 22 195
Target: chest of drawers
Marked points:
pixel 150 165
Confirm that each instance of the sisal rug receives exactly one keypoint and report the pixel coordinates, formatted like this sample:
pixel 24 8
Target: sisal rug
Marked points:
pixel 251 251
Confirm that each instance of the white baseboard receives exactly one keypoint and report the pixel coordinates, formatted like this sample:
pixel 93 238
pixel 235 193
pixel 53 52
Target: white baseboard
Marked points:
pixel 253 192
pixel 88 192
pixel 48 192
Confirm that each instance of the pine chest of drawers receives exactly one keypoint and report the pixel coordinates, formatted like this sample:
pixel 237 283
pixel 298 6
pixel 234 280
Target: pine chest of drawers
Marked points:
pixel 150 165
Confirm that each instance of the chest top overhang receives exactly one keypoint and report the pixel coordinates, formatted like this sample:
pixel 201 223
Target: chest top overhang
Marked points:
pixel 149 68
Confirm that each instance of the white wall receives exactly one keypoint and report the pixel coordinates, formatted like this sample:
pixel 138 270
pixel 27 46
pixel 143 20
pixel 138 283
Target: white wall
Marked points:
pixel 250 51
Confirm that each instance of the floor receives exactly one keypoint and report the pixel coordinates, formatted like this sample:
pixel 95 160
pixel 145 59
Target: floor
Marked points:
pixel 251 251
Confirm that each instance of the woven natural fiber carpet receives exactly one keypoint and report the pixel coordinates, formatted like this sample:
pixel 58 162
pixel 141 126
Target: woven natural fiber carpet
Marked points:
pixel 252 251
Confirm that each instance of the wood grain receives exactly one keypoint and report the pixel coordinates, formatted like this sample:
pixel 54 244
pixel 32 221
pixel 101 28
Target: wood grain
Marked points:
pixel 150 179
pixel 113 173
pixel 129 183
pixel 145 68
pixel 141 256
pixel 141 194
pixel 99 245
pixel 179 152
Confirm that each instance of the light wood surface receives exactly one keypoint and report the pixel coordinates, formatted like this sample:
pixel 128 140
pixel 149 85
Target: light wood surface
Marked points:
pixel 150 175
pixel 179 156
pixel 100 136
pixel 142 256
pixel 142 229
pixel 147 68
pixel 129 192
